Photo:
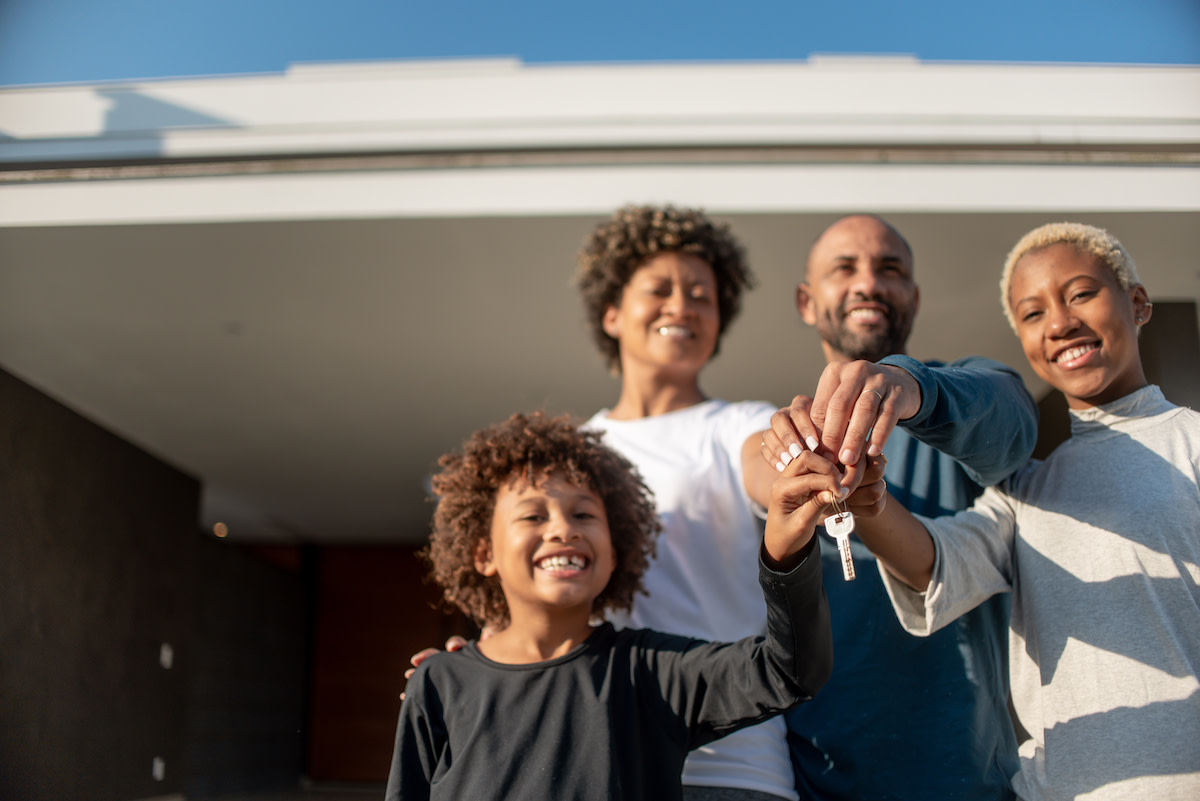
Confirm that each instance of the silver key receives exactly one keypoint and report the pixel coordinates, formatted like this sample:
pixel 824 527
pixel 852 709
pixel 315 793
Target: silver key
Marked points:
pixel 839 525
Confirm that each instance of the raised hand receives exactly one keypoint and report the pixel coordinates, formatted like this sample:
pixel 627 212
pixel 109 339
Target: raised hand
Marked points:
pixel 800 496
pixel 855 409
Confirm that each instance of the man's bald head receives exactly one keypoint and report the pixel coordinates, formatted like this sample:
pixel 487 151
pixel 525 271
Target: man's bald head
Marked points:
pixel 857 224
pixel 859 290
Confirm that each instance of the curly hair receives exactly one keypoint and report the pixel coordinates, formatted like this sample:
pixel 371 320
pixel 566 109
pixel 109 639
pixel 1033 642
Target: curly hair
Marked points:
pixel 532 447
pixel 619 246
pixel 1084 238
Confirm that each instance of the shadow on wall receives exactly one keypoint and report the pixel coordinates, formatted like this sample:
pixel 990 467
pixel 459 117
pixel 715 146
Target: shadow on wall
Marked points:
pixel 132 110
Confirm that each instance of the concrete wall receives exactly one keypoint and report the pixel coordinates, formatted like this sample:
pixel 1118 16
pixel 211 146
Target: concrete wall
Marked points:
pixel 102 570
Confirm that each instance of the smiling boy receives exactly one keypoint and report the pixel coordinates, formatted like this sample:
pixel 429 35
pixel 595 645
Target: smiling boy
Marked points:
pixel 539 531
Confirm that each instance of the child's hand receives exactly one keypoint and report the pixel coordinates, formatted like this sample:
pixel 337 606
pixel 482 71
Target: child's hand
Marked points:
pixel 801 498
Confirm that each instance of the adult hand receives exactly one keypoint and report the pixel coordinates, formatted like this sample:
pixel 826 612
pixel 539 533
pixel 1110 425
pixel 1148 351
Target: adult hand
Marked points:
pixel 857 405
pixel 453 644
pixel 871 496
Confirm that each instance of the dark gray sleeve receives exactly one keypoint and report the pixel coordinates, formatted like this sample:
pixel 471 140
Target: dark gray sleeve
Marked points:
pixel 718 688
pixel 415 754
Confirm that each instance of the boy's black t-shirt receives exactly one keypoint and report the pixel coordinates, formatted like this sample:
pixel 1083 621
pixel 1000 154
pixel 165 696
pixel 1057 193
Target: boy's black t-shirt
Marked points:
pixel 615 717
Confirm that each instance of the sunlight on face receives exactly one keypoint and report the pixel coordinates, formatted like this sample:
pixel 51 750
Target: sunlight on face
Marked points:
pixel 550 546
pixel 1078 328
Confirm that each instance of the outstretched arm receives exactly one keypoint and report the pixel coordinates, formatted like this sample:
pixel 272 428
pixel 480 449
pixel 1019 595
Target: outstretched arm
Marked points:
pixel 897 539
pixel 976 411
pixel 854 410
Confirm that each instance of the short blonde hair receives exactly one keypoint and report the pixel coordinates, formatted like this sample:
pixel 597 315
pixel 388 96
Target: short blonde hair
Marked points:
pixel 1085 238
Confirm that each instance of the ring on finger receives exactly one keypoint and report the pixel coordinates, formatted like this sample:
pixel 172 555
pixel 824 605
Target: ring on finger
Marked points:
pixel 876 394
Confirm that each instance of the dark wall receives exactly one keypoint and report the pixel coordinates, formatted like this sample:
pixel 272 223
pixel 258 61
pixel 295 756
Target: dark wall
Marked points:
pixel 101 564
pixel 247 680
pixel 1170 346
pixel 374 610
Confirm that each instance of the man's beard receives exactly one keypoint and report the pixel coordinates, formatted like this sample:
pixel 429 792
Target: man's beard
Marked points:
pixel 872 344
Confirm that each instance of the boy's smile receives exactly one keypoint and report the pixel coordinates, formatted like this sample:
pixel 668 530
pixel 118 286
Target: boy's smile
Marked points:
pixel 566 563
pixel 550 547
pixel 1077 326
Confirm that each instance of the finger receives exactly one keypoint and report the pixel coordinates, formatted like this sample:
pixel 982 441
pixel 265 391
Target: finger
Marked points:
pixel 792 493
pixel 809 436
pixel 784 444
pixel 770 449
pixel 421 656
pixel 852 476
pixel 455 643
pixel 828 383
pixel 868 500
pixel 810 462
pixel 876 466
pixel 408 674
pixel 808 474
pixel 863 419
pixel 838 412
pixel 886 418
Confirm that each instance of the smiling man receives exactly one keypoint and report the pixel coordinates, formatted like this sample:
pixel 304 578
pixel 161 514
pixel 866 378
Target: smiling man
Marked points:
pixel 901 717
pixel 859 291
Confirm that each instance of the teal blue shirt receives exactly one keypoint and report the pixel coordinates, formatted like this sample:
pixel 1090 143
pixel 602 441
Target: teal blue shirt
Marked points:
pixel 921 718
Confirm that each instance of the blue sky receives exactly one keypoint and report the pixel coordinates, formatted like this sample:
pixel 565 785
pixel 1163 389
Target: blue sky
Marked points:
pixel 54 41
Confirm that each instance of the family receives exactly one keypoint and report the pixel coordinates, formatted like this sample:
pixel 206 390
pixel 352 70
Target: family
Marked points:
pixel 663 617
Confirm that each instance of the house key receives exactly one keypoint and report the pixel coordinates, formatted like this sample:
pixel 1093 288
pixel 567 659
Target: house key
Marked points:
pixel 839 525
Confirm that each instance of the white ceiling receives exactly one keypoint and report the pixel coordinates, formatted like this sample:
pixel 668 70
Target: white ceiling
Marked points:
pixel 303 288
pixel 310 373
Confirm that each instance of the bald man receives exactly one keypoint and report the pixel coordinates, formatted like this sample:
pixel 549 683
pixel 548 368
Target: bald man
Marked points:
pixel 902 717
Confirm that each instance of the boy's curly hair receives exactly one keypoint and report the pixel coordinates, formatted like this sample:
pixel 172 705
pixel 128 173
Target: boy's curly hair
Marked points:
pixel 531 447
pixel 616 248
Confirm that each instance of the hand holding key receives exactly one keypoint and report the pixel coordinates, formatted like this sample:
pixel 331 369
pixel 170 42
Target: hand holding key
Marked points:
pixel 869 498
pixel 805 494
pixel 802 494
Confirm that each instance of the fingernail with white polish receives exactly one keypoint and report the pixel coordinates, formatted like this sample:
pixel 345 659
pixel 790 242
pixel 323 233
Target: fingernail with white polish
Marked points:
pixel 779 466
pixel 795 450
pixel 812 443
pixel 785 457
